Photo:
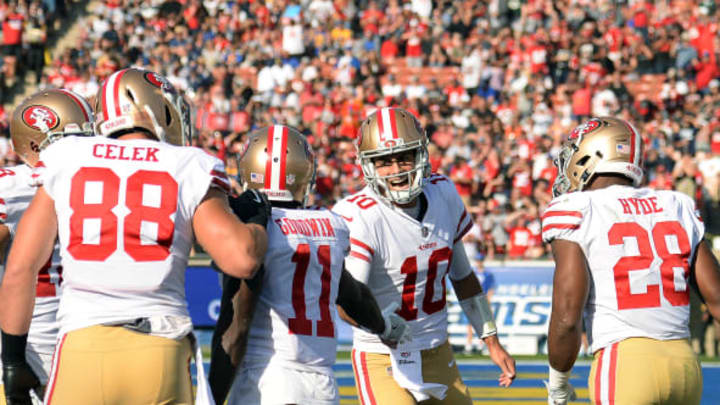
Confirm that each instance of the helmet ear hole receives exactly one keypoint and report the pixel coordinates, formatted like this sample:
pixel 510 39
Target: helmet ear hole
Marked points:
pixel 168 116
pixel 583 160
pixel 130 95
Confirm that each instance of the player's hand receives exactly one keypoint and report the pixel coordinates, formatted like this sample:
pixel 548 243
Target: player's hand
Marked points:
pixel 560 391
pixel 502 359
pixel 18 380
pixel 396 328
pixel 252 207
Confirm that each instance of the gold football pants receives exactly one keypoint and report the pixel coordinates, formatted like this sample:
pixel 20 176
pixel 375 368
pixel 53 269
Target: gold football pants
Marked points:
pixel 643 371
pixel 376 385
pixel 115 366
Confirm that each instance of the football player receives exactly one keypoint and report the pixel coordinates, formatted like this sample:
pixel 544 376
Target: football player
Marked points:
pixel 625 255
pixel 125 206
pixel 39 120
pixel 406 227
pixel 291 346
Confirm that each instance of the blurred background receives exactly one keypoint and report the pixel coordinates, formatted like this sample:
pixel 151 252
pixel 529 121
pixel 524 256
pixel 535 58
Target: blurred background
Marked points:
pixel 496 84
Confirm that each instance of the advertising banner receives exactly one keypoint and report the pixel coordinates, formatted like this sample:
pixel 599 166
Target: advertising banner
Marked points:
pixel 521 304
pixel 203 292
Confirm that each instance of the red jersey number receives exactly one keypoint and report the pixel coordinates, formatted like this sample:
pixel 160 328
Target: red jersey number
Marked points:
pixel 301 325
pixel 100 212
pixel 410 268
pixel 363 201
pixel 643 261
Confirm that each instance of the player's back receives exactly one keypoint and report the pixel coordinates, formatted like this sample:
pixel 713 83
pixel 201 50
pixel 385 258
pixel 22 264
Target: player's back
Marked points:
pixel 638 244
pixel 294 323
pixel 125 211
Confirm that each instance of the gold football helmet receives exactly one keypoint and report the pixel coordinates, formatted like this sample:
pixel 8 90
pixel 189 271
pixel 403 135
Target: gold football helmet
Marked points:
pixel 600 145
pixel 278 161
pixel 134 99
pixel 389 131
pixel 45 117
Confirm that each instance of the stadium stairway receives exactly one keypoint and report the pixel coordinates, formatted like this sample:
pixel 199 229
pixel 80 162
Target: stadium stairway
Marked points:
pixel 67 34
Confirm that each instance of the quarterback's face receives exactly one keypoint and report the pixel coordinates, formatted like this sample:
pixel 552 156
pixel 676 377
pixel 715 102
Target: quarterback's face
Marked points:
pixel 392 165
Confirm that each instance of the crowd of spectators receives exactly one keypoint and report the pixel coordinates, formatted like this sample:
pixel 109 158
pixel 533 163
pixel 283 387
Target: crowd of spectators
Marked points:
pixel 496 84
pixel 26 27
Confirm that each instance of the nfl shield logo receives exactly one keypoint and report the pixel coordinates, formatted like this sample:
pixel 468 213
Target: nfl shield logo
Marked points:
pixel 622 148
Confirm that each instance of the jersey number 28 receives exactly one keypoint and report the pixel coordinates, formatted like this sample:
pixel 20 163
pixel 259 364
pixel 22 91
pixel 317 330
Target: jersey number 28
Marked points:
pixel 671 266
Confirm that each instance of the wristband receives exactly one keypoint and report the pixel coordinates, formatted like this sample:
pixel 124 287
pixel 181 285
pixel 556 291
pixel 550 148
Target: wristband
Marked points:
pixel 13 348
pixel 479 314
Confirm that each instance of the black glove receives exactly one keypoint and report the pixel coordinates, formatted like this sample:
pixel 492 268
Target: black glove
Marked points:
pixel 252 207
pixel 18 380
pixel 18 377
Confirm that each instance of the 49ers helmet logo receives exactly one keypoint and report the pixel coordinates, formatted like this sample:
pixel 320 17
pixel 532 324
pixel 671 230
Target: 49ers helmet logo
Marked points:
pixel 40 117
pixel 583 129
pixel 157 81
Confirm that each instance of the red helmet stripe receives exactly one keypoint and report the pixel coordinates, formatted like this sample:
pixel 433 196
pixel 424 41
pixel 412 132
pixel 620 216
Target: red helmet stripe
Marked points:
pixel 387 124
pixel 104 101
pixel 111 96
pixel 116 92
pixel 393 122
pixel 283 156
pixel 268 161
pixel 380 124
pixel 83 105
pixel 633 139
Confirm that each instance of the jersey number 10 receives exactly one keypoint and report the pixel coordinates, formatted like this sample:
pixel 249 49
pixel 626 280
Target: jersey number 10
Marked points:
pixel 410 268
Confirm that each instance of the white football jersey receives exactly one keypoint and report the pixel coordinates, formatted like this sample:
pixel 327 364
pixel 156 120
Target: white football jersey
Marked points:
pixel 638 243
pixel 409 259
pixel 125 210
pixel 294 324
pixel 16 192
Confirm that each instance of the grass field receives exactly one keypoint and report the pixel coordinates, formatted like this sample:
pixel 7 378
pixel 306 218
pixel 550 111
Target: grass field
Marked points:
pixel 528 389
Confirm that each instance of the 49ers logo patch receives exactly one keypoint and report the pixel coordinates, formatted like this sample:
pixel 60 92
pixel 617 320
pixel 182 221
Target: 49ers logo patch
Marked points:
pixel 583 129
pixel 40 117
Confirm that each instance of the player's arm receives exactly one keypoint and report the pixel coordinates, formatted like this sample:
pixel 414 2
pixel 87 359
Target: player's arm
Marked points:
pixel 357 306
pixel 476 307
pixel 35 240
pixel 356 269
pixel 229 341
pixel 707 276
pixel 237 305
pixel 237 248
pixel 571 286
